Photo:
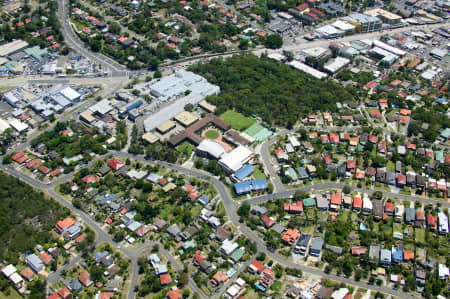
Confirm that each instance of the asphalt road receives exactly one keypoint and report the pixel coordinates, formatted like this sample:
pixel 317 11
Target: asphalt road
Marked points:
pixel 74 42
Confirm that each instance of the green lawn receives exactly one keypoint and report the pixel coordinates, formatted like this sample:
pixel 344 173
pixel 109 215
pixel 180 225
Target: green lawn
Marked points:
pixel 258 174
pixel 276 286
pixel 420 235
pixel 237 120
pixel 212 134
pixel 13 294
pixel 186 148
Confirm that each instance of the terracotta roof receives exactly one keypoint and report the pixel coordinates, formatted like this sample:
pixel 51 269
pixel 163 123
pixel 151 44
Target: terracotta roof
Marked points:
pixel 165 279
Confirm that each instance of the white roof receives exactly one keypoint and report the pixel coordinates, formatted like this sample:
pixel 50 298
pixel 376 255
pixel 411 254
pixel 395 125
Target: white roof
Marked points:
pixel 328 30
pixel 314 52
pixel 343 25
pixel 228 247
pixel 9 270
pixel 213 148
pixel 101 107
pixel 12 47
pixel 389 48
pixel 367 203
pixel 336 64
pixel 69 93
pixel 307 69
pixel 293 140
pixel 276 56
pixel 235 159
pixel 233 291
pixel 430 74
pixel 340 294
pixel 16 278
pixel 18 125
pixel 3 125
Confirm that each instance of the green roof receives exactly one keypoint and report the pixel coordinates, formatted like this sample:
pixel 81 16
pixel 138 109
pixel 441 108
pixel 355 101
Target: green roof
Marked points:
pixel 446 133
pixel 99 197
pixel 291 174
pixel 309 202
pixel 439 156
pixel 36 52
pixel 189 244
pixel 237 254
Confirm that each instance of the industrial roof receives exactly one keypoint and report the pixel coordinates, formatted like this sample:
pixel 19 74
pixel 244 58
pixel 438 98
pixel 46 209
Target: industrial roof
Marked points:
pixel 18 125
pixel 12 47
pixel 307 69
pixel 101 107
pixel 336 64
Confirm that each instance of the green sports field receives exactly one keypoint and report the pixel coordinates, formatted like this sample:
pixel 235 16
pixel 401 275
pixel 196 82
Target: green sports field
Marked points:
pixel 237 120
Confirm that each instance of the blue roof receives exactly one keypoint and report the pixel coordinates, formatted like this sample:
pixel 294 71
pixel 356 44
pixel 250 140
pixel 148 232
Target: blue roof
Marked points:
pixel 244 172
pixel 441 100
pixel 260 287
pixel 248 186
pixel 397 255
pixel 204 199
pixel 243 187
pixel 99 255
pixel 260 184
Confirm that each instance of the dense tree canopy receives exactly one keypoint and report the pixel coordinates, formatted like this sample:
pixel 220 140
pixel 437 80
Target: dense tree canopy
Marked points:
pixel 271 90
pixel 26 218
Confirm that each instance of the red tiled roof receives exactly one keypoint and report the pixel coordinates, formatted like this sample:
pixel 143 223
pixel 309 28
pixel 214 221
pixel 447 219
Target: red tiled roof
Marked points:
pixel 45 258
pixel 336 198
pixel 54 295
pixel 90 179
pixel 294 208
pixel 389 207
pixel 165 279
pixel 80 238
pixel 174 294
pixel 357 202
pixel 65 293
pixel 359 250
pixel 115 164
pixel 106 295
pixel 85 279
pixel 268 222
pixel 64 224
pixel 258 266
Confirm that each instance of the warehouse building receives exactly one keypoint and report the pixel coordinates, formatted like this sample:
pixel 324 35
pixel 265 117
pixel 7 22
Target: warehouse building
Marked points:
pixel 329 31
pixel 336 64
pixel 186 88
pixel 178 84
pixel 384 56
pixel 307 69
pixel 393 50
pixel 12 47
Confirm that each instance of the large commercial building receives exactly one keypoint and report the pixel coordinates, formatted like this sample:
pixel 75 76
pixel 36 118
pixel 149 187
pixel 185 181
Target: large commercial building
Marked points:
pixel 236 158
pixel 364 23
pixel 12 47
pixel 178 85
pixel 186 88
pixel 386 16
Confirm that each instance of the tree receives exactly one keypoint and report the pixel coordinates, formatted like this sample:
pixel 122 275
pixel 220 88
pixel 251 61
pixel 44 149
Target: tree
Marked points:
pixel 189 107
pixel 347 189
pixel 243 44
pixel 244 210
pixel 273 41
pixel 157 74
